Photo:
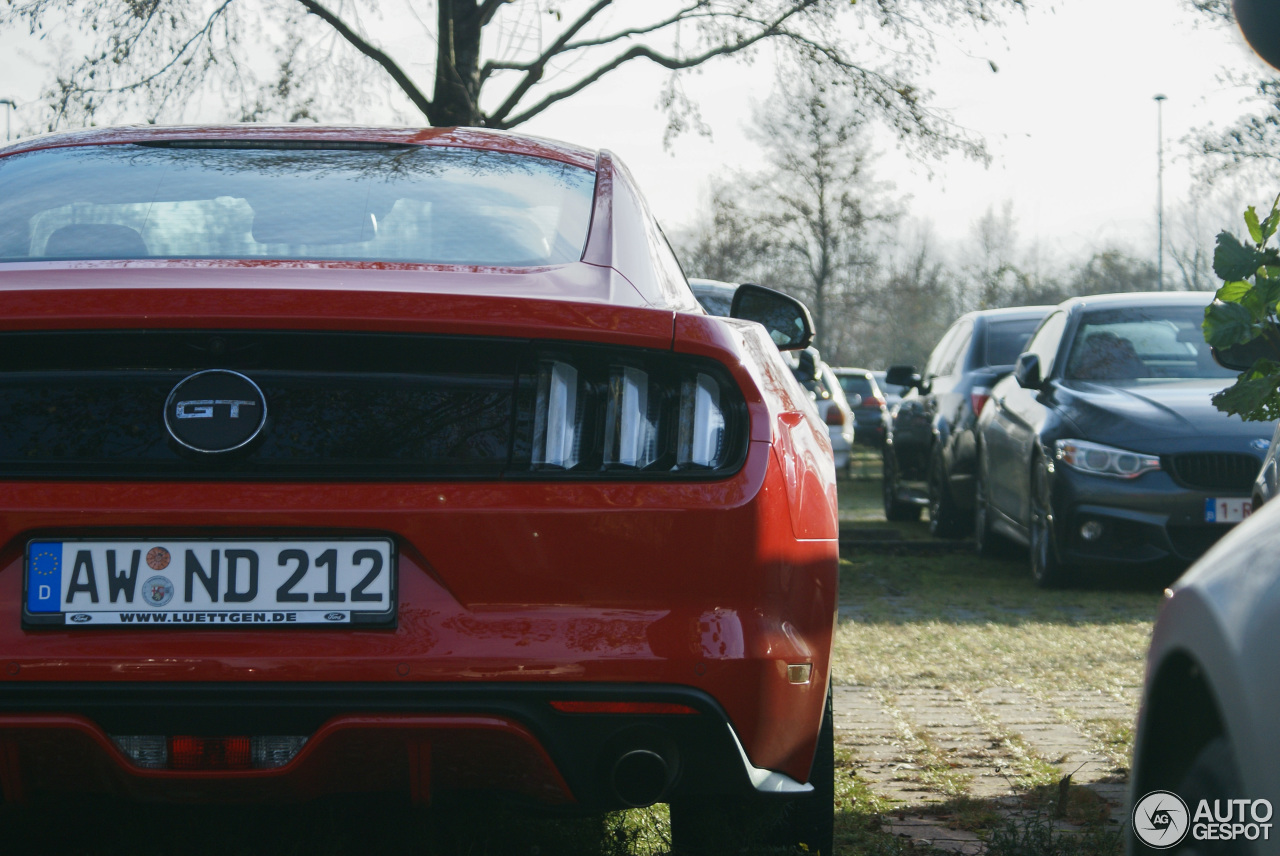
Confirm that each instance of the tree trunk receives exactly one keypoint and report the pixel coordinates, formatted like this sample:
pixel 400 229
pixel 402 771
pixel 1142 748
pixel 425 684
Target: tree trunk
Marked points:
pixel 457 92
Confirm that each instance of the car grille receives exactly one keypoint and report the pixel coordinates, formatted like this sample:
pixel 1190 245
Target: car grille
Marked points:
pixel 1213 471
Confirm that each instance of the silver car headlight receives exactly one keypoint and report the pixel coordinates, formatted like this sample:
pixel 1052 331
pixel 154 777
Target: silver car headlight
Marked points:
pixel 1099 460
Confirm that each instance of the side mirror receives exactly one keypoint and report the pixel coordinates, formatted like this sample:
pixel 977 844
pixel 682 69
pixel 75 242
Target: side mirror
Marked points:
pixel 788 320
pixel 1241 358
pixel 902 376
pixel 1027 371
pixel 1259 20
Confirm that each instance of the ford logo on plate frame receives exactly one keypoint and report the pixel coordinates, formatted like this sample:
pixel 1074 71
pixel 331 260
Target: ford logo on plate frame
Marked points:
pixel 215 411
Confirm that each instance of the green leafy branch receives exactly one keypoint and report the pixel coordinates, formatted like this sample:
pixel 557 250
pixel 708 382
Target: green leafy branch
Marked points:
pixel 1243 318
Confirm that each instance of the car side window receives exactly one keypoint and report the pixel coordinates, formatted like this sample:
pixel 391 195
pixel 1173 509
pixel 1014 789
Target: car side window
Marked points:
pixel 939 355
pixel 1044 344
pixel 953 363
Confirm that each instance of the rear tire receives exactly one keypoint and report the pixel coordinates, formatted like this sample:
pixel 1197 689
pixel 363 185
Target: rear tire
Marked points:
pixel 1046 568
pixel 945 520
pixel 895 510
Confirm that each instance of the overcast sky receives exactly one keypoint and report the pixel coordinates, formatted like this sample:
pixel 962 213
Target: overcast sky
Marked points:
pixel 1069 120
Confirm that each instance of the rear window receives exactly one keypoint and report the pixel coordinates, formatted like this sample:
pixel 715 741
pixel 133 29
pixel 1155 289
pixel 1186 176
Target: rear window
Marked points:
pixel 293 201
pixel 1005 340
pixel 855 385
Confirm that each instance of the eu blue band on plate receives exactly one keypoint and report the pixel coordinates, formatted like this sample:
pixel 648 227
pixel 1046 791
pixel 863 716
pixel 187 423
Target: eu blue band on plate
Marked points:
pixel 1210 511
pixel 44 577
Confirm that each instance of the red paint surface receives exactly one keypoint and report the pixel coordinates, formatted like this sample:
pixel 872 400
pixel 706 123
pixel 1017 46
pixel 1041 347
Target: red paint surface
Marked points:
pixel 717 585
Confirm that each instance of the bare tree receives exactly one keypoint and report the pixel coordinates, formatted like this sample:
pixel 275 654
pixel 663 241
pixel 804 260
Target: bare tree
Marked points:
pixel 993 270
pixel 158 57
pixel 1113 269
pixel 914 302
pixel 820 200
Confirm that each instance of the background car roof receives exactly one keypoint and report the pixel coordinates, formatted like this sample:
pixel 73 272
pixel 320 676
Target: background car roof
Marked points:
pixel 1010 312
pixel 470 138
pixel 1141 298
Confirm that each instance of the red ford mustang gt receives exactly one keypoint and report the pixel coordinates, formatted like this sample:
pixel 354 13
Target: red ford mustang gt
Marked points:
pixel 343 460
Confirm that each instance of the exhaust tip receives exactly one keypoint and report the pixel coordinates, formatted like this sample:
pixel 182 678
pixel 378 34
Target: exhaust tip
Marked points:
pixel 641 777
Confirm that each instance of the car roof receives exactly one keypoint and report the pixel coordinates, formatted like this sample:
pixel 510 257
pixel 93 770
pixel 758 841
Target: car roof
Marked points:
pixel 845 370
pixel 467 138
pixel 1009 313
pixel 1140 298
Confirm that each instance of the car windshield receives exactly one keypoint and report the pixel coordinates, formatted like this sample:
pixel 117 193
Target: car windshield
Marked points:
pixel 1006 338
pixel 1142 343
pixel 303 201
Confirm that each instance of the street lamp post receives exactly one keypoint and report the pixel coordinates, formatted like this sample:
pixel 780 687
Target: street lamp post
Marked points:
pixel 10 107
pixel 1160 99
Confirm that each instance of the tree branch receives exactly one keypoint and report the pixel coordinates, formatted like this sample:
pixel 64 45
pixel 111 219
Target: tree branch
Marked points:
pixel 397 74
pixel 489 8
pixel 683 15
pixel 645 52
pixel 538 66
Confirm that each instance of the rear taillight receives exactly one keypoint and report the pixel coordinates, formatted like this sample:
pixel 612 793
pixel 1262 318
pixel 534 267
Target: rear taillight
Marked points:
pixel 978 397
pixel 614 412
pixel 873 402
pixel 835 416
pixel 157 752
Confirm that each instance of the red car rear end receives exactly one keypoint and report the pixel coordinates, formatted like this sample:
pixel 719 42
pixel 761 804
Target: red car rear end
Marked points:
pixel 395 491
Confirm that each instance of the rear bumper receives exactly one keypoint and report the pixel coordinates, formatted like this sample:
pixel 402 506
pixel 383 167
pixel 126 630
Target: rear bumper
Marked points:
pixel 419 741
pixel 514 586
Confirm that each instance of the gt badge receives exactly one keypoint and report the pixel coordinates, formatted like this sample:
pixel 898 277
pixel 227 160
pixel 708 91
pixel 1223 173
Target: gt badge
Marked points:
pixel 215 411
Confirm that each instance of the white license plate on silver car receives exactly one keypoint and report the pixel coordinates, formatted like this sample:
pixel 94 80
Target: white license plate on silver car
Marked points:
pixel 225 583
pixel 1227 510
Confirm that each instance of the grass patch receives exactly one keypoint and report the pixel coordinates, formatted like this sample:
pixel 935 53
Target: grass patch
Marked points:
pixel 1036 834
pixel 960 621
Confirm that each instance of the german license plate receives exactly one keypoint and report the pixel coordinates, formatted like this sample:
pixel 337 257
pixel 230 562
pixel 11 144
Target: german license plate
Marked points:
pixel 1226 510
pixel 209 583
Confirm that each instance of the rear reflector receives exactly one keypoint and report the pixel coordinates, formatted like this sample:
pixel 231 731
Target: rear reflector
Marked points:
pixel 621 707
pixel 978 397
pixel 209 753
pixel 157 752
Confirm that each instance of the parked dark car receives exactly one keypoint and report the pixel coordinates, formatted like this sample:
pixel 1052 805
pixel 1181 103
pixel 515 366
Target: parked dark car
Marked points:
pixel 930 452
pixel 870 409
pixel 891 391
pixel 1268 480
pixel 1104 444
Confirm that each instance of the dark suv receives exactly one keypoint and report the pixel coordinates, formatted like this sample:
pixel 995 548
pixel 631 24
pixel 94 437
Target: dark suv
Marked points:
pixel 930 448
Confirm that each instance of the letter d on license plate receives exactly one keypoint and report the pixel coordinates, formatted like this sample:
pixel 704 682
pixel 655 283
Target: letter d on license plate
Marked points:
pixel 222 583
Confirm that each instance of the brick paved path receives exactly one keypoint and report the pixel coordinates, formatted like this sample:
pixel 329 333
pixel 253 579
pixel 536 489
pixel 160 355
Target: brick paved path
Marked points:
pixel 919 747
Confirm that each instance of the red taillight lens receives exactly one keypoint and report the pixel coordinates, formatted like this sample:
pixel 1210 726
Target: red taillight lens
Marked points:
pixel 979 399
pixel 621 707
pixel 835 416
pixel 873 402
pixel 210 753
